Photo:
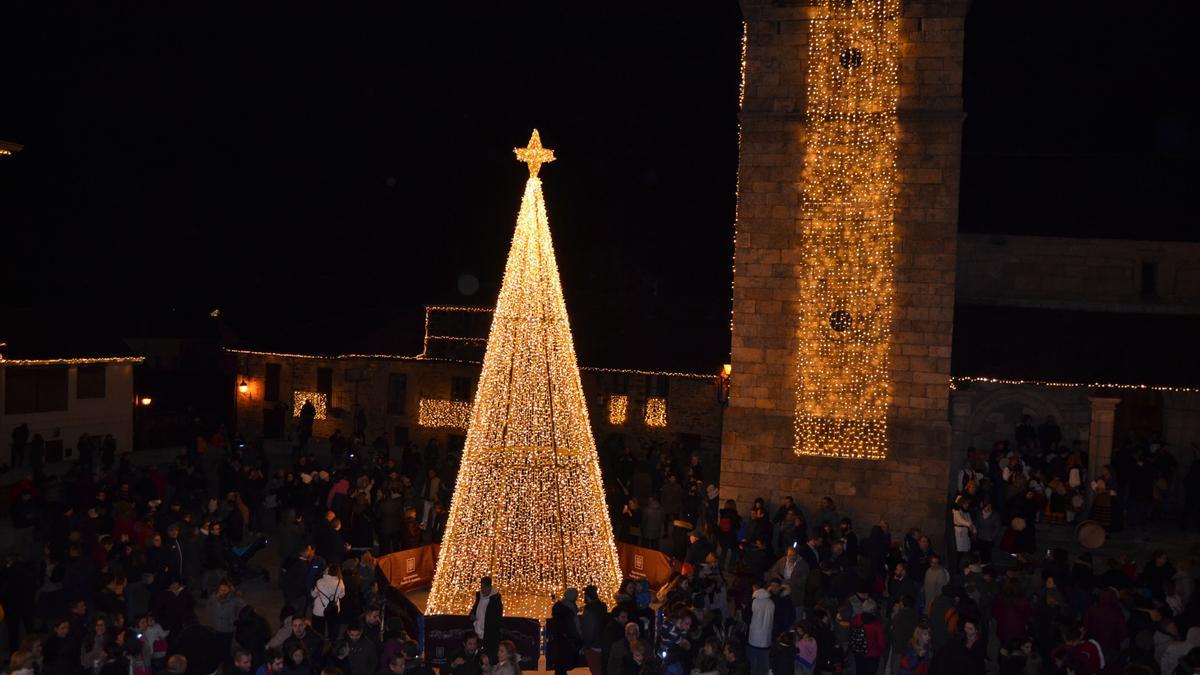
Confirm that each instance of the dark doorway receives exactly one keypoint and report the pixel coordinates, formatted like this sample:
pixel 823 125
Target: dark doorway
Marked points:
pixel 273 423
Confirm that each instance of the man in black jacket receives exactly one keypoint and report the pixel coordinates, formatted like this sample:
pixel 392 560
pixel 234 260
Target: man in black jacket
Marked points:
pixel 486 614
pixel 562 649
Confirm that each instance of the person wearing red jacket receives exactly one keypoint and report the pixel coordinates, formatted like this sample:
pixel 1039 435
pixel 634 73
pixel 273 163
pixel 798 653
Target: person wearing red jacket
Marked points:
pixel 1105 623
pixel 1012 612
pixel 1079 651
pixel 876 641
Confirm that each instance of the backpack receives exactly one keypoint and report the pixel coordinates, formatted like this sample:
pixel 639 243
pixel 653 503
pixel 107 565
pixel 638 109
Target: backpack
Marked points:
pixel 858 640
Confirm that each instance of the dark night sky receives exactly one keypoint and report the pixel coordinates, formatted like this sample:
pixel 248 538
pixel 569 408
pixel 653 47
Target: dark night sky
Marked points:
pixel 320 175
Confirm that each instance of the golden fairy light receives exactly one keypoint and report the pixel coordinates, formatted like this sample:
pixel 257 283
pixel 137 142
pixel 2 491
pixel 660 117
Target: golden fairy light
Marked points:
pixel 443 414
pixel 847 281
pixel 618 409
pixel 528 509
pixel 656 412
pixel 319 400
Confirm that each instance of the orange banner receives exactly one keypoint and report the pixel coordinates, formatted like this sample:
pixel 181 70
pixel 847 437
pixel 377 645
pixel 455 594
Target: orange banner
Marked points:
pixel 645 563
pixel 410 569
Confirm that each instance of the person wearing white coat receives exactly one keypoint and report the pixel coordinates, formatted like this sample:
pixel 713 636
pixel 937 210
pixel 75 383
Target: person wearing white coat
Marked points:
pixel 758 637
pixel 327 597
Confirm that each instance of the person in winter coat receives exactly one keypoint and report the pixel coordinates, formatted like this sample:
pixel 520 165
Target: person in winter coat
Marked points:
pixel 758 637
pixel 866 662
pixel 792 571
pixel 783 653
pixel 936 578
pixel 916 657
pixel 562 648
pixel 327 597
pixel 486 613
pixel 357 654
pixel 1012 612
pixel 1105 623
pixel 943 617
pixel 653 525
pixel 591 628
pixel 1175 651
pixel 901 627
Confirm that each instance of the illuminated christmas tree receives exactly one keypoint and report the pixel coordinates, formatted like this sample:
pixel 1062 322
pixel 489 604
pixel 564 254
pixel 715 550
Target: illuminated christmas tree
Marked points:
pixel 528 509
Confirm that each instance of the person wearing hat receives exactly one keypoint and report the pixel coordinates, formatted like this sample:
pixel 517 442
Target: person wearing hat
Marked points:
pixel 562 648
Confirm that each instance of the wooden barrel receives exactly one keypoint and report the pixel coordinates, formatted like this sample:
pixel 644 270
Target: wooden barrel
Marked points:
pixel 1090 534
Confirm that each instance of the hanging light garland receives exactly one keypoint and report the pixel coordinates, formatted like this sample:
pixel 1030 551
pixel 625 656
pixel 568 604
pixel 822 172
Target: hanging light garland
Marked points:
pixel 528 509
pixel 317 398
pixel 618 409
pixel 847 264
pixel 656 412
pixel 436 413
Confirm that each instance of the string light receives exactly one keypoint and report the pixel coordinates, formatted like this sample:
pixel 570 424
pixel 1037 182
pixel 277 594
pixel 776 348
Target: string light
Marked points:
pixel 317 398
pixel 618 409
pixel 528 509
pixel 956 381
pixel 847 261
pixel 430 309
pixel 737 178
pixel 437 413
pixel 656 412
pixel 72 361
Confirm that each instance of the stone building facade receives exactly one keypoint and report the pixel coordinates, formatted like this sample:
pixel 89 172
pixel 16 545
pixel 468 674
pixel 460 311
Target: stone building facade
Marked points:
pixel 757 451
pixel 418 399
pixel 1102 275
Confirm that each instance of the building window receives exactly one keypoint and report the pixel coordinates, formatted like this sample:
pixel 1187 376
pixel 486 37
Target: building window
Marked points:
pixel 400 437
pixel 317 398
pixel 35 390
pixel 656 412
pixel 271 386
pixel 618 383
pixel 90 381
pixel 460 389
pixel 618 409
pixel 397 393
pixel 325 382
pixel 1149 286
pixel 657 386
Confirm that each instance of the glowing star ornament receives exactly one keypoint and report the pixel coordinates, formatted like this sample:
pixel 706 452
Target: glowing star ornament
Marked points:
pixel 528 509
pixel 534 154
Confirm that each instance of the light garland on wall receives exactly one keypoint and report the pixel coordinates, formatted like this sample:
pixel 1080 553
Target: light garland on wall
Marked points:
pixel 656 412
pixel 737 181
pixel 319 400
pixel 618 409
pixel 83 361
pixel 438 359
pixel 435 413
pixel 430 309
pixel 956 381
pixel 847 263
pixel 529 507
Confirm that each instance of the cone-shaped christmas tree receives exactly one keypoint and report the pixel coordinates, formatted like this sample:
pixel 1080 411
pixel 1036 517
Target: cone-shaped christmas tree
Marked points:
pixel 528 509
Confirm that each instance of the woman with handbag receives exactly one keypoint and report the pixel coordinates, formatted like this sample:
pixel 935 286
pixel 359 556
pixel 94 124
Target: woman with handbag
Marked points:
pixel 327 597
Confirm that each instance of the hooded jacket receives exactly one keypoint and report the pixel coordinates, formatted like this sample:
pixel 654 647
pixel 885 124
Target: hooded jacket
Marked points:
pixel 762 619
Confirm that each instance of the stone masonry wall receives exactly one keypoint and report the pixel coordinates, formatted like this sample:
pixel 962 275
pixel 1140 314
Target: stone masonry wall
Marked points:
pixel 757 456
pixel 1081 274
pixel 692 405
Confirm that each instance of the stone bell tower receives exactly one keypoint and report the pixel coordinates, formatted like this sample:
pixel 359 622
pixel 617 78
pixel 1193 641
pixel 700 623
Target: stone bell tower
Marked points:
pixel 906 479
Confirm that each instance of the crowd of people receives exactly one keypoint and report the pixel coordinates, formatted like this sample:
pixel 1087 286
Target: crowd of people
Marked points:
pixel 115 564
